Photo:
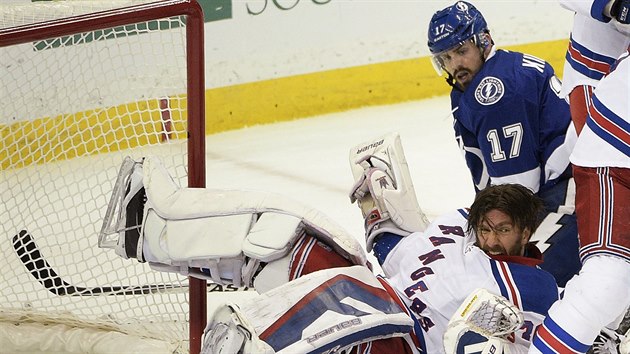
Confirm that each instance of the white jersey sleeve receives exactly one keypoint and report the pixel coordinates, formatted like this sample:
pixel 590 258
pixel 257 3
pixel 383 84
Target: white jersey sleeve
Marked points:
pixel 436 270
pixel 595 9
pixel 605 140
pixel 593 48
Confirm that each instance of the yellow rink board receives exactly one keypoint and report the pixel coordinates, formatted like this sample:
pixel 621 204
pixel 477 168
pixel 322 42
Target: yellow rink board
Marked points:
pixel 39 140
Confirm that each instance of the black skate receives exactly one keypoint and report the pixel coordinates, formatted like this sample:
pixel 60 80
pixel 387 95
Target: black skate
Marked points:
pixel 122 224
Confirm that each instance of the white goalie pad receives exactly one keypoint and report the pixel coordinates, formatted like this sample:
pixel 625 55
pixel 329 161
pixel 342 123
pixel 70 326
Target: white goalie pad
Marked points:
pixel 383 187
pixel 319 312
pixel 263 243
pixel 227 232
pixel 481 324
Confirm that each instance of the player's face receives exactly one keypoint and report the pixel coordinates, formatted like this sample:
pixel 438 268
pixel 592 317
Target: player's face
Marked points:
pixel 463 62
pixel 497 235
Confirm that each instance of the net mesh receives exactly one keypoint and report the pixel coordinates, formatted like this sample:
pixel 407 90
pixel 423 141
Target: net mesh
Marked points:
pixel 71 108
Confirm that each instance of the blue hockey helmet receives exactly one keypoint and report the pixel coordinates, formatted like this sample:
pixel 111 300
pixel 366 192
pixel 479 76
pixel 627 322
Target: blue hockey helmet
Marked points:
pixel 452 26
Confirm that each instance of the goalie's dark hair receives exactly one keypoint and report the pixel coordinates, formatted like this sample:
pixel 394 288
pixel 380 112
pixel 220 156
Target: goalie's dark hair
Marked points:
pixel 515 200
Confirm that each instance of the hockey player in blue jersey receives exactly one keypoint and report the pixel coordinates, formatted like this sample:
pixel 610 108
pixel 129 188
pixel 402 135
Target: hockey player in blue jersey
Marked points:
pixel 511 125
pixel 467 280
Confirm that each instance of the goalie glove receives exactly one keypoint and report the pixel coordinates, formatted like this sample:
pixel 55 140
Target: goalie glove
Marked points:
pixel 383 189
pixel 619 12
pixel 481 324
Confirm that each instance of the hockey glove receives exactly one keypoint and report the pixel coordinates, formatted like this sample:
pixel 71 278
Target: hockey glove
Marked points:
pixel 383 189
pixel 620 11
pixel 481 324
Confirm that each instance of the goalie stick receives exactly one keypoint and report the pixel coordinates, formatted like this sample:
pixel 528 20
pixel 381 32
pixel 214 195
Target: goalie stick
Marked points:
pixel 32 258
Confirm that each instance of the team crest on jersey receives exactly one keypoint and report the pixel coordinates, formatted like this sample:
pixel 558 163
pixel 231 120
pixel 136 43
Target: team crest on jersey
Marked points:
pixel 489 91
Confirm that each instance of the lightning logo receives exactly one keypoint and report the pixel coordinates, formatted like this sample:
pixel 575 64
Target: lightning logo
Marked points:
pixel 546 230
pixel 489 91
pixel 553 222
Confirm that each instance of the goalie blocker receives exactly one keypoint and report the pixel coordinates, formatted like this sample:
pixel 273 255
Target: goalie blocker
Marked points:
pixel 384 190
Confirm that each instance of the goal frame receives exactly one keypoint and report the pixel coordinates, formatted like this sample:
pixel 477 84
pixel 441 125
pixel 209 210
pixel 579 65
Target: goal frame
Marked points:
pixel 195 92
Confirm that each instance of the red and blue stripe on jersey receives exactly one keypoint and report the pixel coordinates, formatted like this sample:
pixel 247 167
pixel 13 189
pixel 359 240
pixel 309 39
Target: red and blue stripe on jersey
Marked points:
pixel 609 126
pixel 587 62
pixel 523 287
pixel 551 338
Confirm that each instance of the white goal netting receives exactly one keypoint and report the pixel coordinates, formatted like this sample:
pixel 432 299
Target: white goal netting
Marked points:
pixel 71 107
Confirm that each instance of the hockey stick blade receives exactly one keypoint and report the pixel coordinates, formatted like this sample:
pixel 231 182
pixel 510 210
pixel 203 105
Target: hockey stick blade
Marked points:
pixel 30 255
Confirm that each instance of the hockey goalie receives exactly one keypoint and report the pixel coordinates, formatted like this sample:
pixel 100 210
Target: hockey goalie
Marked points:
pixel 466 282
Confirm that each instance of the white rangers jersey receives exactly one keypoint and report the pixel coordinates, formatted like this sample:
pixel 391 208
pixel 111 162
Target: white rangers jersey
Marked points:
pixel 594 45
pixel 435 271
pixel 605 139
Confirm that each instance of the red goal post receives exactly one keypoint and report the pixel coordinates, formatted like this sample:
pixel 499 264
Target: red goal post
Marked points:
pixel 36 147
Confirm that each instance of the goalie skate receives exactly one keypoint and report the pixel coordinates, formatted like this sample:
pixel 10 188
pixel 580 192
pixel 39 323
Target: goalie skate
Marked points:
pixel 123 218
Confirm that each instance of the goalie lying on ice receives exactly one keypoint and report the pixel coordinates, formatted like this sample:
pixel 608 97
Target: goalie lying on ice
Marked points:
pixel 317 293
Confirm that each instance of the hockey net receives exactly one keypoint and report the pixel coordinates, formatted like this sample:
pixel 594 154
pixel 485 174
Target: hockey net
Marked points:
pixel 85 83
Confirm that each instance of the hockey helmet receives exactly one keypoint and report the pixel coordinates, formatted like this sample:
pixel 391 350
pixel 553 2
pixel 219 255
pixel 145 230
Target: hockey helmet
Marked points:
pixel 454 25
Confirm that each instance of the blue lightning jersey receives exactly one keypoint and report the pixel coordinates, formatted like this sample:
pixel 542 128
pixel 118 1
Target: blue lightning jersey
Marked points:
pixel 512 124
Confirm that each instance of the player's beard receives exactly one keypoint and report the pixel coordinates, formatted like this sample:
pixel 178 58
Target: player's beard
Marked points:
pixel 463 77
pixel 516 250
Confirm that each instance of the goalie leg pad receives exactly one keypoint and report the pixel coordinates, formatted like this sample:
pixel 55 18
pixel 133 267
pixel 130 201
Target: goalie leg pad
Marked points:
pixel 272 236
pixel 212 237
pixel 232 258
pixel 308 255
pixel 173 203
pixel 327 309
pixel 229 233
pixel 191 203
